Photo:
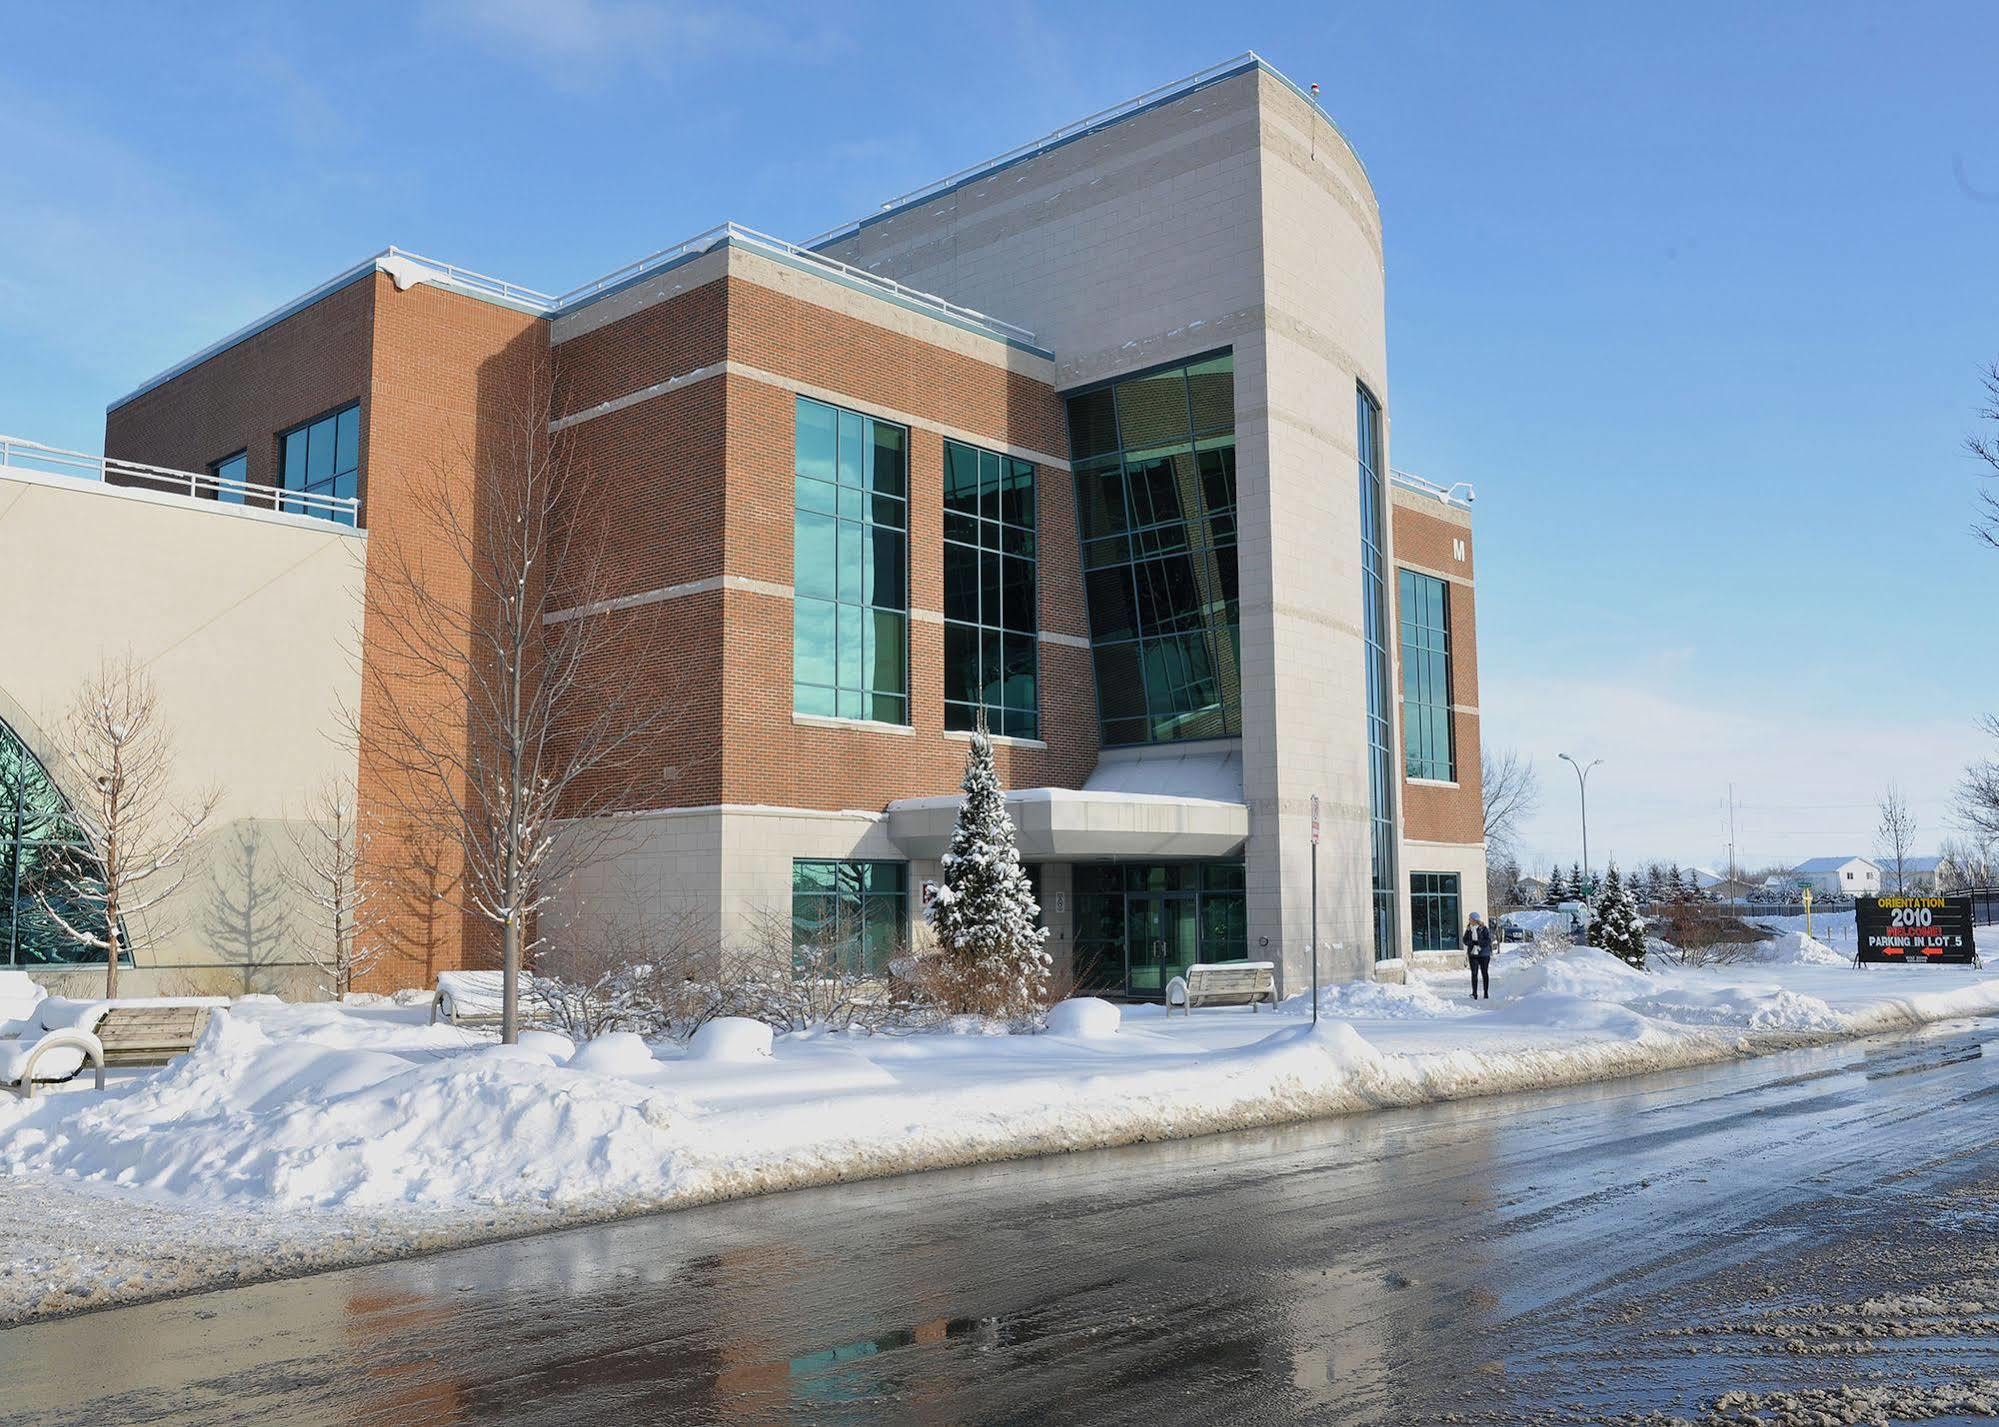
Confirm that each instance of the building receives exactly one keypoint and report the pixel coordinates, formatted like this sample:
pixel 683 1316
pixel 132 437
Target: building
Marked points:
pixel 1143 518
pixel 1838 876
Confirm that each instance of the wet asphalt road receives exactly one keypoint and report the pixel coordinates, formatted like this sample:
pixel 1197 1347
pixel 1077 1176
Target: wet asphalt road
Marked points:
pixel 1807 1222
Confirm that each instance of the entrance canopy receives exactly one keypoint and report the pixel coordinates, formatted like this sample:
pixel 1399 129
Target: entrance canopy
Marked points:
pixel 1126 810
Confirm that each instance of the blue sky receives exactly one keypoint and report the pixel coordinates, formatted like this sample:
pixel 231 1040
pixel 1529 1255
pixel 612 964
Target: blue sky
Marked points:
pixel 1697 296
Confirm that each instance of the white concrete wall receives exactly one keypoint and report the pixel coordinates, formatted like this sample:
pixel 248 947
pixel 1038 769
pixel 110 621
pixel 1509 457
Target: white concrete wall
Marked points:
pixel 247 622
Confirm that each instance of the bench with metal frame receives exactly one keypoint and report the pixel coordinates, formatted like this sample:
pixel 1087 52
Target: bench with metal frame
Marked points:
pixel 1224 983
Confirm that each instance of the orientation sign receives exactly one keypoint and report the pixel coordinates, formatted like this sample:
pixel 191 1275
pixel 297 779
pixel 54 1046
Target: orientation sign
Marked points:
pixel 1904 931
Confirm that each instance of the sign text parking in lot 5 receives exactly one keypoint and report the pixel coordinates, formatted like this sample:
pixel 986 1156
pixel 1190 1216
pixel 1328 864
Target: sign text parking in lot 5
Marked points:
pixel 1907 930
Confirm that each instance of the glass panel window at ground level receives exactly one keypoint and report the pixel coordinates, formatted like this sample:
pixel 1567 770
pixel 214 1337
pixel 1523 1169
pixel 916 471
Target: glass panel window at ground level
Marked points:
pixel 850 564
pixel 1434 911
pixel 1155 473
pixel 1424 604
pixel 990 592
pixel 849 916
pixel 322 458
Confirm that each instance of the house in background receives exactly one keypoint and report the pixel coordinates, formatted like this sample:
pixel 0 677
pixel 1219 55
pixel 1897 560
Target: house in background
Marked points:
pixel 1840 876
pixel 1918 874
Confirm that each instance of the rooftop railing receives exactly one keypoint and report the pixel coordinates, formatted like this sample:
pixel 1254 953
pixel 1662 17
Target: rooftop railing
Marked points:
pixel 751 238
pixel 1462 494
pixel 476 282
pixel 34 457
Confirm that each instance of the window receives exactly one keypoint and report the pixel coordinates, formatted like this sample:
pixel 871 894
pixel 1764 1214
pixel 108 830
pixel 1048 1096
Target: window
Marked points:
pixel 322 458
pixel 1424 601
pixel 850 561
pixel 1374 616
pixel 990 590
pixel 1156 491
pixel 851 913
pixel 40 857
pixel 235 471
pixel 1433 911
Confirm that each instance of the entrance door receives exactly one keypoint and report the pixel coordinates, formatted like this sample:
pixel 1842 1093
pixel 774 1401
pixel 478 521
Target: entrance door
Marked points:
pixel 1162 939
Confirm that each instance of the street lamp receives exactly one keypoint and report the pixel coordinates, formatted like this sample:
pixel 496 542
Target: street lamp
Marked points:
pixel 1582 790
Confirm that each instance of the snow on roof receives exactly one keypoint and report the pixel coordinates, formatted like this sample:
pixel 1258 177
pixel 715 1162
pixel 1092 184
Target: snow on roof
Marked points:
pixel 1831 864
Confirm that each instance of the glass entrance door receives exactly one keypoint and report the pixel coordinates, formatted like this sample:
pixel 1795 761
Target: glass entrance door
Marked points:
pixel 1162 939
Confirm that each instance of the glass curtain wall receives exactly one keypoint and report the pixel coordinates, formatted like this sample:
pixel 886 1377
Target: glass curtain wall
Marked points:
pixel 1156 491
pixel 1424 604
pixel 1374 615
pixel 40 853
pixel 850 564
pixel 990 610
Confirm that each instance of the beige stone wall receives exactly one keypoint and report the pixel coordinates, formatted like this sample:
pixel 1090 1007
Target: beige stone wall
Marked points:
pixel 246 621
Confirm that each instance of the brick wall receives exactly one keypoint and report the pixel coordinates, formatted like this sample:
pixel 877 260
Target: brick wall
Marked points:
pixel 1429 542
pixel 240 399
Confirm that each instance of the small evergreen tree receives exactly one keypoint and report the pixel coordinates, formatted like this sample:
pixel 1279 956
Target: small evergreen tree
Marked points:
pixel 1676 884
pixel 1690 887
pixel 985 914
pixel 1579 886
pixel 1617 927
pixel 1655 885
pixel 1558 890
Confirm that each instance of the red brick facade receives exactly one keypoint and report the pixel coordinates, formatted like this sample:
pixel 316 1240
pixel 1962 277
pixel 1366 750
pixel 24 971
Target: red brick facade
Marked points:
pixel 695 484
pixel 1431 543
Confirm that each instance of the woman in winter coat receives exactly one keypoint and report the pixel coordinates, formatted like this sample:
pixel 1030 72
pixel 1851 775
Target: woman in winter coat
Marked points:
pixel 1478 951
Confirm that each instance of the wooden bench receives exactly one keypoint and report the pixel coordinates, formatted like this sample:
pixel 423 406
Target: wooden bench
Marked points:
pixel 470 999
pixel 150 1035
pixel 1224 983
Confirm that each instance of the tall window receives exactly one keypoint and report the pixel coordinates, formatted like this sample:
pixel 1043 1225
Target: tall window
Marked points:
pixel 1374 618
pixel 850 562
pixel 1156 487
pixel 990 614
pixel 40 851
pixel 235 470
pixel 850 913
pixel 1433 911
pixel 1424 602
pixel 322 458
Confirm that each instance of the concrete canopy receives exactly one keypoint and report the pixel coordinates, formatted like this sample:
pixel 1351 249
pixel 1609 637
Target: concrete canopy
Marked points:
pixel 1073 825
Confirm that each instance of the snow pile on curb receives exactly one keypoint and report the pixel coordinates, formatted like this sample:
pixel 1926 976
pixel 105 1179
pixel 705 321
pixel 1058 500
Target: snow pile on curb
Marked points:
pixel 1377 1001
pixel 1794 948
pixel 245 1118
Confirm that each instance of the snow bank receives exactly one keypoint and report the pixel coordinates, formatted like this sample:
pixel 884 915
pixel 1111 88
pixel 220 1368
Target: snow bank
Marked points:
pixel 1380 1001
pixel 1794 948
pixel 1084 1018
pixel 247 1119
pixel 735 1039
pixel 618 1053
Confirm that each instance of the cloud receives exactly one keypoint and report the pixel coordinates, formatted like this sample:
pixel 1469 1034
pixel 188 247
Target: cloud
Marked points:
pixel 581 44
pixel 1807 779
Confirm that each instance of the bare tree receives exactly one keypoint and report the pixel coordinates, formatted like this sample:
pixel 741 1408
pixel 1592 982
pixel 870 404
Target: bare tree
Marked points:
pixel 1985 447
pixel 325 871
pixel 501 722
pixel 1895 838
pixel 131 821
pixel 1511 790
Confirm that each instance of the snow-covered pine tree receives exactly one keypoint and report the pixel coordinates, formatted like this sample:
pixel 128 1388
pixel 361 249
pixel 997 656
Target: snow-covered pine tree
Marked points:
pixel 1617 927
pixel 1690 887
pixel 985 914
pixel 1676 884
pixel 1655 885
pixel 1558 888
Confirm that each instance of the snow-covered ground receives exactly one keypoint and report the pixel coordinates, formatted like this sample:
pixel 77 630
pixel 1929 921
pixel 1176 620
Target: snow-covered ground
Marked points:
pixel 296 1136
